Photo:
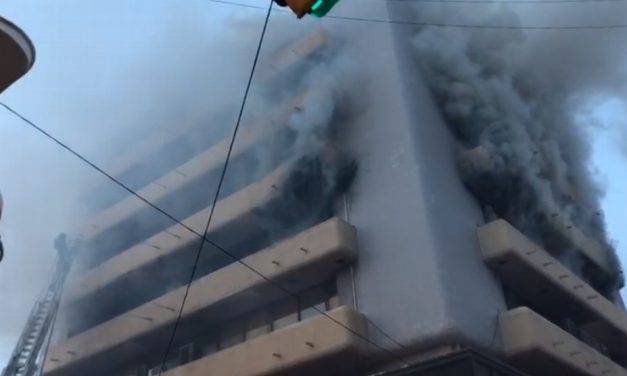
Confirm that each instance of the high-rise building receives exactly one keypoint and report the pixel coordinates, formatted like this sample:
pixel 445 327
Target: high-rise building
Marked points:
pixel 344 241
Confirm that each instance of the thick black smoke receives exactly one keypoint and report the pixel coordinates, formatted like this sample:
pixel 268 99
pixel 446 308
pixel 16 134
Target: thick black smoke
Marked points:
pixel 320 168
pixel 513 100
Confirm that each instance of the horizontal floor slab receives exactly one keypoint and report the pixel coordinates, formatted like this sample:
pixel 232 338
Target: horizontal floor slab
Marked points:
pixel 540 278
pixel 233 213
pixel 305 260
pixel 185 174
pixel 323 345
pixel 185 188
pixel 555 225
pixel 536 345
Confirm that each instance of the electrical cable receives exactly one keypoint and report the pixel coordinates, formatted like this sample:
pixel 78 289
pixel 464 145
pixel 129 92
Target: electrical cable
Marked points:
pixel 220 182
pixel 217 195
pixel 203 237
pixel 447 25
pixel 209 241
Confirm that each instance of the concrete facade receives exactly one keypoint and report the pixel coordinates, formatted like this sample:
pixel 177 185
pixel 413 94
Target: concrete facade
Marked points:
pixel 316 341
pixel 540 347
pixel 303 261
pixel 542 279
pixel 408 268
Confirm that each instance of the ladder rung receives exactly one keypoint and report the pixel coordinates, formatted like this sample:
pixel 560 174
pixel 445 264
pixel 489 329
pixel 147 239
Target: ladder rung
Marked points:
pixel 24 359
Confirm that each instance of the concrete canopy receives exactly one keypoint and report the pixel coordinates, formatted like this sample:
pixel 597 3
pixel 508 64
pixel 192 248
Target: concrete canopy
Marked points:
pixel 17 53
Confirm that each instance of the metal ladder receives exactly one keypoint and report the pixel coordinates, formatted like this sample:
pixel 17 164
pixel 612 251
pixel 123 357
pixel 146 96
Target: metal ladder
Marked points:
pixel 27 358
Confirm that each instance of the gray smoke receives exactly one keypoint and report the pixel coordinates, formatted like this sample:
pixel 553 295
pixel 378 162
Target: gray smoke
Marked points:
pixel 513 97
pixel 105 99
pixel 201 80
pixel 296 106
pixel 320 169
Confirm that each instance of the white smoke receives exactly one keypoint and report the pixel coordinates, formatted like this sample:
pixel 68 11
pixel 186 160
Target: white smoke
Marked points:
pixel 184 73
pixel 201 80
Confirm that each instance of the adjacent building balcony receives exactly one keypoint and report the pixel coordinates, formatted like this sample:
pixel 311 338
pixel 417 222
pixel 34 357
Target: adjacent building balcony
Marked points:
pixel 17 52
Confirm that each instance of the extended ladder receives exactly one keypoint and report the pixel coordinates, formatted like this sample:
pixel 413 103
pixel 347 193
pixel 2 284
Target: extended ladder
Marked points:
pixel 27 358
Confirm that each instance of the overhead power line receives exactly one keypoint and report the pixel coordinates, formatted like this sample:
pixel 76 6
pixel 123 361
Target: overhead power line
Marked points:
pixel 209 241
pixel 203 236
pixel 219 187
pixel 212 211
pixel 451 25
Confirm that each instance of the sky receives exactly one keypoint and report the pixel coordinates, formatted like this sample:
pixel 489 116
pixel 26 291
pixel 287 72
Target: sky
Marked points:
pixel 85 52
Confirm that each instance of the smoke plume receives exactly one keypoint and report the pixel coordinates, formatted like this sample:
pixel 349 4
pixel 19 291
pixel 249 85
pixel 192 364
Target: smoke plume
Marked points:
pixel 512 97
pixel 294 103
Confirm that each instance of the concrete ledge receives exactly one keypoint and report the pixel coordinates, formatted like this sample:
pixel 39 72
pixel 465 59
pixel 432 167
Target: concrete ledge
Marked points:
pixel 295 53
pixel 543 280
pixel 191 171
pixel 184 187
pixel 589 247
pixel 185 174
pixel 479 164
pixel 319 342
pixel 287 57
pixel 236 210
pixel 303 261
pixel 537 346
pixel 148 146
